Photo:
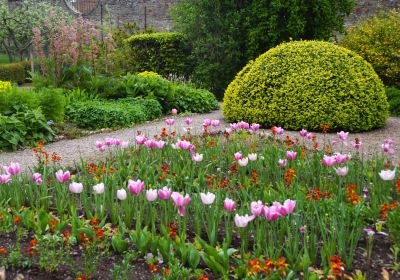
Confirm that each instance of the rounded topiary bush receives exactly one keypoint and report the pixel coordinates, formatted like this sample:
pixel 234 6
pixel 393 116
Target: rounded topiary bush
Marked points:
pixel 305 84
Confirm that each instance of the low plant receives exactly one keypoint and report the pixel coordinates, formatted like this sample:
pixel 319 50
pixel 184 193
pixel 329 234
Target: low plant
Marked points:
pixel 393 95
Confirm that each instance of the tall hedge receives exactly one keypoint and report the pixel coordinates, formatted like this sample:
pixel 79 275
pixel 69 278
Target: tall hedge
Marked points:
pixel 305 84
pixel 14 72
pixel 165 53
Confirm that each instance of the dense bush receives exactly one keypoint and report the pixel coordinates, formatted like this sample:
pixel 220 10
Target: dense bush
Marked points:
pixel 377 40
pixel 224 35
pixel 14 72
pixel 170 95
pixel 50 101
pixel 24 128
pixel 393 95
pixel 305 84
pixel 165 53
pixel 95 114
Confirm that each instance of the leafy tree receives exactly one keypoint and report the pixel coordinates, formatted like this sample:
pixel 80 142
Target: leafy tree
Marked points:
pixel 225 34
pixel 18 18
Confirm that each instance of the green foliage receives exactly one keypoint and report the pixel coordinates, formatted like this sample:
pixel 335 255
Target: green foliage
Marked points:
pixel 97 114
pixel 23 128
pixel 305 84
pixel 50 101
pixel 393 223
pixel 377 40
pixel 224 35
pixel 393 95
pixel 14 72
pixel 170 95
pixel 164 53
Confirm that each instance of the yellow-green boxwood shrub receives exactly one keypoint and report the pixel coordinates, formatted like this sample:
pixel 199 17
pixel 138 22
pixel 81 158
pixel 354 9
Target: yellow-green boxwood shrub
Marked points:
pixel 304 84
pixel 377 40
pixel 14 72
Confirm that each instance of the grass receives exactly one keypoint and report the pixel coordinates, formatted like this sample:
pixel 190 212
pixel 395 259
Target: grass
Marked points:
pixel 4 59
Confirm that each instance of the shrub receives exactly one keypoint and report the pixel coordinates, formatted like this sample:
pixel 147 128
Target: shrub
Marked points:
pixel 305 84
pixel 4 86
pixel 95 114
pixel 170 94
pixel 163 53
pixel 24 128
pixel 50 101
pixel 377 40
pixel 393 95
pixel 14 72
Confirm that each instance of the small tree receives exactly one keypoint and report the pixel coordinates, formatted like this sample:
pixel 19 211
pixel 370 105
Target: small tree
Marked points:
pixel 225 34
pixel 17 22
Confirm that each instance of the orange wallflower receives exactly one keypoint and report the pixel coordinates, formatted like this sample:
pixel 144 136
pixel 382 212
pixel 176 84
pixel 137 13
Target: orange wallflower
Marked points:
pixel 17 220
pixel 167 271
pixel 325 128
pixel 153 267
pixel 385 209
pixel 3 251
pixel 316 194
pixel 337 266
pixel 203 277
pixel 290 173
pixel 303 152
pixel 398 186
pixel 351 194
pixel 282 266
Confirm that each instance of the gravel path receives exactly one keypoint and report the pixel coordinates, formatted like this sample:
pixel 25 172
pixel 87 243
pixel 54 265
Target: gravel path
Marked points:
pixel 72 150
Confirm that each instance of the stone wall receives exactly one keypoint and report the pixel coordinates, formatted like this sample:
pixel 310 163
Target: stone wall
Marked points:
pixel 155 13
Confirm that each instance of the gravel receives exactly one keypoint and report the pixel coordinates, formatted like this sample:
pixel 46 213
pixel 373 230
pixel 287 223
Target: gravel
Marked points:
pixel 71 151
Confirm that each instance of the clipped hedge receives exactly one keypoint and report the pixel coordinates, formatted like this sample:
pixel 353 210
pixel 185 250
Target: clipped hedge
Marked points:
pixel 304 84
pixel 377 40
pixel 166 53
pixel 14 72
pixel 96 114
pixel 393 95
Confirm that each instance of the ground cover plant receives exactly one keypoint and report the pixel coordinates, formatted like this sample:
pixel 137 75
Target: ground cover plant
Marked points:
pixel 223 205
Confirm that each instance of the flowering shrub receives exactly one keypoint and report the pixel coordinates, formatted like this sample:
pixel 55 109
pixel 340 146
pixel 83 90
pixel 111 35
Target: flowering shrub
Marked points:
pixel 305 84
pixel 4 86
pixel 377 40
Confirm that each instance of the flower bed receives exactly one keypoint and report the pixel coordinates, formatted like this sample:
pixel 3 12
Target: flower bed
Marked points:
pixel 217 206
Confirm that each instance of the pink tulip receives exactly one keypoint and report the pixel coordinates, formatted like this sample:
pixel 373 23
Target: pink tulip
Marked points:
pixel 117 141
pixel 342 171
pixel 242 221
pixel 109 142
pixel 174 112
pixel 243 162
pixel 329 160
pixel 303 133
pixel 228 130
pixel 12 169
pixel 309 136
pixel 63 177
pixel 197 157
pixel 183 144
pixel 272 213
pixel 387 148
pixel 75 187
pixel 288 206
pixel 140 139
pixel 238 156
pixel 188 121
pixel 135 186
pixel 243 125
pixel 5 179
pixel 103 148
pixel 207 122
pixel 252 157
pixel 278 130
pixel 291 155
pixel 180 201
pixel 255 127
pixel 164 193
pixel 37 178
pixel 341 158
pixel 257 207
pixel 387 175
pixel 99 188
pixel 170 121
pixel 150 144
pixel 369 231
pixel 234 126
pixel 342 135
pixel 124 144
pixel 99 144
pixel 207 198
pixel 151 195
pixel 282 162
pixel 215 123
pixel 159 144
pixel 229 205
pixel 121 194
pixel 357 144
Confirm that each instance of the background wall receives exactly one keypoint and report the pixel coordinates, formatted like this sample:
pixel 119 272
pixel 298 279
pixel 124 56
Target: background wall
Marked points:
pixel 154 13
